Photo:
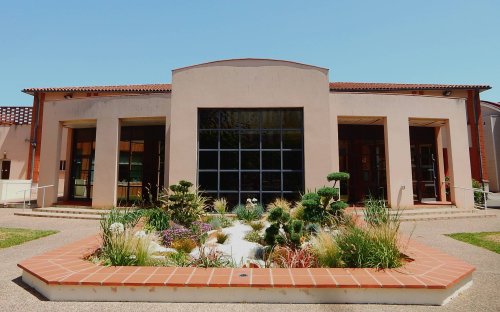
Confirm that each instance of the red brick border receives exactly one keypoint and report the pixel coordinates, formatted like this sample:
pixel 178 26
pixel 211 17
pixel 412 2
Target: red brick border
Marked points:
pixel 431 269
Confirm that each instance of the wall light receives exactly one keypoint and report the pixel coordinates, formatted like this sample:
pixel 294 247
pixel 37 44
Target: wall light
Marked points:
pixel 68 96
pixel 447 92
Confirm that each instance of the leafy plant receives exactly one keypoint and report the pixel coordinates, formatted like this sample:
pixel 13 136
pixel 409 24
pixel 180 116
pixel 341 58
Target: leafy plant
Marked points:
pixel 221 237
pixel 478 195
pixel 286 257
pixel 183 205
pixel 185 245
pixel 248 213
pixel 178 259
pixel 157 219
pixel 280 203
pixel 253 236
pixel 324 204
pixel 257 225
pixel 292 230
pixel 326 250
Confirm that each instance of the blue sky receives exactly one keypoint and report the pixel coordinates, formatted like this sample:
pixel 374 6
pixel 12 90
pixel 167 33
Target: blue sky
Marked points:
pixel 107 42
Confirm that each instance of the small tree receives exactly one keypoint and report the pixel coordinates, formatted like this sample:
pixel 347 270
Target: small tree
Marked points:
pixel 325 203
pixel 183 205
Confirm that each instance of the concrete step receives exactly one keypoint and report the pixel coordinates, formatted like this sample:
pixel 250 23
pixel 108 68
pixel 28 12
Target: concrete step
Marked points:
pixel 68 210
pixel 446 216
pixel 31 213
pixel 433 211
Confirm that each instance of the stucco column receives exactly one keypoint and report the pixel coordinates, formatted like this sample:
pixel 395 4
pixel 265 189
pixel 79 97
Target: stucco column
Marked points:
pixel 49 163
pixel 440 162
pixel 106 162
pixel 334 139
pixel 398 162
pixel 459 164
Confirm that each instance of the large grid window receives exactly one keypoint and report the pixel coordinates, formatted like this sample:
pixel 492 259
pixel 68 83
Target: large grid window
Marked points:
pixel 251 153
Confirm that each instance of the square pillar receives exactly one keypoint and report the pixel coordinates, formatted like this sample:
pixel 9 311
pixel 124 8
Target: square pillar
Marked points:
pixel 50 153
pixel 440 162
pixel 398 162
pixel 106 162
pixel 459 165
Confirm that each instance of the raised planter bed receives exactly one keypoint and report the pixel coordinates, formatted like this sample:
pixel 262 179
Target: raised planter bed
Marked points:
pixel 433 278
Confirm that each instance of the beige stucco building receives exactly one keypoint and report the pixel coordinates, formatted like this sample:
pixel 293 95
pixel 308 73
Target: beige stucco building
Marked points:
pixel 491 119
pixel 255 128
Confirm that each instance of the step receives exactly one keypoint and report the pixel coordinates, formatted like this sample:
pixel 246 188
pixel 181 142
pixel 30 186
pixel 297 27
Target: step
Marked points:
pixel 30 213
pixel 433 211
pixel 72 210
pixel 446 216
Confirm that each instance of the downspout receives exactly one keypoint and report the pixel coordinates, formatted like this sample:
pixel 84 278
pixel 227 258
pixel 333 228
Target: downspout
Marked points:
pixel 34 139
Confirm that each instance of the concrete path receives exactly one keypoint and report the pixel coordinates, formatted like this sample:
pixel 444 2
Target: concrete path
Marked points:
pixel 15 296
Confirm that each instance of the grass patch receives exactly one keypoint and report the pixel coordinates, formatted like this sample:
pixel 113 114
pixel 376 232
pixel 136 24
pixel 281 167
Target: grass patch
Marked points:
pixel 487 240
pixel 11 237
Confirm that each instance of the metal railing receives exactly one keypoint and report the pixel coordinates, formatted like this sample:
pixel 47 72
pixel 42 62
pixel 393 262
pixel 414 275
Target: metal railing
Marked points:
pixel 474 190
pixel 35 188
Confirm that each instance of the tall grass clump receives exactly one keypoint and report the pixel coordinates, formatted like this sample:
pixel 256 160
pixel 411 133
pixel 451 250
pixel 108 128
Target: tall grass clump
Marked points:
pixel 375 211
pixel 326 250
pixel 249 212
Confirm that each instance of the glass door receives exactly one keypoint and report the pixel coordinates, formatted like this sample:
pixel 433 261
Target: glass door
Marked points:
pixel 82 164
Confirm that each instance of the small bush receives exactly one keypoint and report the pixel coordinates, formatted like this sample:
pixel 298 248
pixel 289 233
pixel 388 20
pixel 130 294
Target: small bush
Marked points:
pixel 257 225
pixel 478 196
pixel 157 219
pixel 221 237
pixel 326 250
pixel 183 205
pixel 253 236
pixel 212 259
pixel 219 222
pixel 338 176
pixel 177 259
pixel 286 257
pixel 280 203
pixel 220 206
pixel 185 245
pixel 247 213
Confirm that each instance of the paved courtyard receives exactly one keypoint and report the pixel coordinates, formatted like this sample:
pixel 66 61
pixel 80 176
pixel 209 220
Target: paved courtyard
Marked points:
pixel 15 296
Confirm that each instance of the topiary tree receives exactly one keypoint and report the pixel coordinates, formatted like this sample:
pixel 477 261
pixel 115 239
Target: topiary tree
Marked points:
pixel 325 203
pixel 292 229
pixel 183 205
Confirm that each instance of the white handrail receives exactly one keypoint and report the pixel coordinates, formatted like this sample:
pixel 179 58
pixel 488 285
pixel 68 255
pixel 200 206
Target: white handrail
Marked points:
pixel 35 188
pixel 485 198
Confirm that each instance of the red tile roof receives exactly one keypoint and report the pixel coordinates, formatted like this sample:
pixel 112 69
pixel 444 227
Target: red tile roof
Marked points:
pixel 334 86
pixel 375 86
pixel 142 88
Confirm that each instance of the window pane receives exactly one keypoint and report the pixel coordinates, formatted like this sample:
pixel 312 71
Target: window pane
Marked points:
pixel 271 160
pixel 208 160
pixel 208 139
pixel 292 119
pixel 229 181
pixel 292 181
pixel 271 139
pixel 292 139
pixel 271 181
pixel 250 160
pixel 232 200
pixel 229 160
pixel 208 180
pixel 209 119
pixel 250 139
pixel 292 160
pixel 229 139
pixel 250 181
pixel 268 198
pixel 271 119
pixel 229 119
pixel 249 120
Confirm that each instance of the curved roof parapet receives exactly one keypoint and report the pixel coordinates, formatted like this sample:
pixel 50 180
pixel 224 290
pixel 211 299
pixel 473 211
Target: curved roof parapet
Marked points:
pixel 241 62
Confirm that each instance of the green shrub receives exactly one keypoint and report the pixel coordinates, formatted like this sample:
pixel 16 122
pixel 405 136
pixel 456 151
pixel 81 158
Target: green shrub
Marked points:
pixel 248 213
pixel 177 259
pixel 370 247
pixel 221 237
pixel 338 176
pixel 326 250
pixel 219 222
pixel 293 229
pixel 183 205
pixel 253 236
pixel 478 196
pixel 157 219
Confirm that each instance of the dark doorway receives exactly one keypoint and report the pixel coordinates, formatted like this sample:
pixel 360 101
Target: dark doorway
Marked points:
pixel 424 164
pixel 141 163
pixel 82 164
pixel 362 154
pixel 5 169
